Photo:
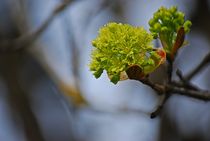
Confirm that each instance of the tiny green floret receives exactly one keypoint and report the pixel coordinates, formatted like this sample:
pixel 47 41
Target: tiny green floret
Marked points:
pixel 165 24
pixel 119 46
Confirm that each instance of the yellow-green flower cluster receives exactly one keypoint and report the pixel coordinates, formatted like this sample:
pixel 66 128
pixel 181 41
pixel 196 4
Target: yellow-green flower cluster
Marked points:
pixel 119 46
pixel 165 24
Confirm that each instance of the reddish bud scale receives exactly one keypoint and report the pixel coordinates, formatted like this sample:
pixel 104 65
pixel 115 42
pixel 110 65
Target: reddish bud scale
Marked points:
pixel 161 52
pixel 178 43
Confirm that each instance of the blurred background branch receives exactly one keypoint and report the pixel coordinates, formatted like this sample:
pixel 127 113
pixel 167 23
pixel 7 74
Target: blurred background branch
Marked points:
pixel 26 39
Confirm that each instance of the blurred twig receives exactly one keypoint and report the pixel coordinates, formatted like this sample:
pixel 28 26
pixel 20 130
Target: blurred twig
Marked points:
pixel 27 39
pixel 203 63
pixel 18 99
pixel 184 81
pixel 19 14
pixel 77 97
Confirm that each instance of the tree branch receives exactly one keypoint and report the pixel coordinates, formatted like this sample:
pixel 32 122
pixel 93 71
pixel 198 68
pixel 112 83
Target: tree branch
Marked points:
pixel 198 94
pixel 203 63
pixel 184 82
pixel 184 87
pixel 159 108
pixel 167 93
pixel 27 39
pixel 181 90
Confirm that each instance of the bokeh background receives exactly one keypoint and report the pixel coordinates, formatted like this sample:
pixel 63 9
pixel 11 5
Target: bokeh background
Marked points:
pixel 37 82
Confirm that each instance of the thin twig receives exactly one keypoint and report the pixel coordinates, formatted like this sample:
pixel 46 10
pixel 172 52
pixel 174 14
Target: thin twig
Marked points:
pixel 74 61
pixel 28 38
pixel 184 82
pixel 187 89
pixel 167 93
pixel 157 87
pixel 69 30
pixel 169 89
pixel 198 94
pixel 181 90
pixel 160 107
pixel 203 63
pixel 173 87
pixel 134 71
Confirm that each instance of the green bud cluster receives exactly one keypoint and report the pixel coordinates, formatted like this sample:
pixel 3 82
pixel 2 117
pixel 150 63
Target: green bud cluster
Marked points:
pixel 119 46
pixel 165 24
